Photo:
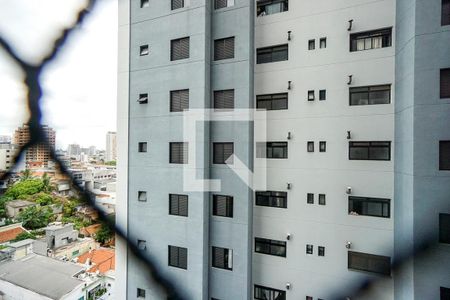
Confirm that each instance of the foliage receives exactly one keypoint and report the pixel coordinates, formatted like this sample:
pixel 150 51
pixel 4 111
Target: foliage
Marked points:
pixel 104 234
pixel 47 187
pixel 69 207
pixel 41 198
pixel 35 217
pixel 77 222
pixel 23 236
pixel 25 188
pixel 111 163
pixel 25 175
pixel 3 200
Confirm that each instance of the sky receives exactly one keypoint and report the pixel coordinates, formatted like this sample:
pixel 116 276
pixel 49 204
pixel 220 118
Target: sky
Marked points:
pixel 80 86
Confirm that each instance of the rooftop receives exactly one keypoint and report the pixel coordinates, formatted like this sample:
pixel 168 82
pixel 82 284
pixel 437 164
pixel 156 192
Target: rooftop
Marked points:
pixel 19 203
pixel 55 278
pixel 10 233
pixel 103 260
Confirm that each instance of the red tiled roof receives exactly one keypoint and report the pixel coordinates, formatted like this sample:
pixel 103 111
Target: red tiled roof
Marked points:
pixel 8 235
pixel 102 260
pixel 90 230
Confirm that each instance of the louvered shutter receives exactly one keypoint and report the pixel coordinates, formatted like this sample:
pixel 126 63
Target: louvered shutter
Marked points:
pixel 227 151
pixel 445 83
pixel 219 257
pixel 224 48
pixel 173 205
pixel 220 4
pixel 176 4
pixel 180 49
pixel 183 205
pixel 444 155
pixel 224 99
pixel 179 100
pixel 178 153
pixel 173 256
pixel 445 12
pixel 220 205
pixel 182 257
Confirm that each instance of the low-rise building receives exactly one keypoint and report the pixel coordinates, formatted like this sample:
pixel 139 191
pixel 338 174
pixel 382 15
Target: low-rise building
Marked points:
pixel 15 207
pixel 10 232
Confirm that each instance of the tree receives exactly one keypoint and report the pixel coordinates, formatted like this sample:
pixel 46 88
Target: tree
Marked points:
pixel 3 200
pixel 25 188
pixel 111 163
pixel 35 217
pixel 41 198
pixel 104 234
pixel 47 187
pixel 26 175
pixel 23 236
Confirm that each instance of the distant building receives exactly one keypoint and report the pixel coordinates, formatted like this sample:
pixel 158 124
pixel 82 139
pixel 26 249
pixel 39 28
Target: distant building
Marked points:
pixel 41 152
pixel 7 153
pixel 5 139
pixel 99 260
pixel 15 207
pixel 74 150
pixel 111 146
pixel 10 232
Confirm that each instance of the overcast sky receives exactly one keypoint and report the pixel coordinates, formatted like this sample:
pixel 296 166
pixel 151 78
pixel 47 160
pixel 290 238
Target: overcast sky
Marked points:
pixel 80 86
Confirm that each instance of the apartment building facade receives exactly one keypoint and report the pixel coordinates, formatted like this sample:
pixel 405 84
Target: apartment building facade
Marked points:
pixel 326 72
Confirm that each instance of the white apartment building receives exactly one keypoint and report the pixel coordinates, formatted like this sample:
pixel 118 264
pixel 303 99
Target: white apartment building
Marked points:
pixel 111 146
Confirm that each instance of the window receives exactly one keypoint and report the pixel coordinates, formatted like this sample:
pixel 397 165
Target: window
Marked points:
pixel 444 155
pixel 322 95
pixel 224 99
pixel 275 150
pixel 178 257
pixel 269 7
pixel 143 50
pixel 380 38
pixel 224 48
pixel 272 54
pixel 311 95
pixel 321 251
pixel 222 152
pixel 272 101
pixel 322 146
pixel 140 293
pixel 179 100
pixel 445 19
pixel 311 44
pixel 445 293
pixel 141 244
pixel 369 263
pixel 142 147
pixel 310 198
pixel 445 83
pixel 266 293
pixel 142 196
pixel 143 98
pixel 178 153
pixel 370 95
pixel 323 43
pixel 178 205
pixel 444 228
pixel 271 199
pixel 179 49
pixel 176 4
pixel 373 207
pixel 270 247
pixel 145 3
pixel 222 258
pixel 309 249
pixel 309 298
pixel 322 200
pixel 369 150
pixel 310 146
pixel 218 4
pixel 223 206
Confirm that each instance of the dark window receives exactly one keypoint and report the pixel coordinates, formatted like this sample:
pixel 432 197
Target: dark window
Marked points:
pixel 309 298
pixel 222 151
pixel 445 293
pixel 272 101
pixel 142 147
pixel 179 49
pixel 445 19
pixel 266 293
pixel 271 199
pixel 272 54
pixel 444 228
pixel 322 95
pixel 224 99
pixel 322 200
pixel 223 206
pixel 179 100
pixel 445 83
pixel 310 198
pixel 444 155
pixel 373 207
pixel 271 247
pixel 145 3
pixel 369 262
pixel 269 7
pixel 224 48
pixel 178 153
pixel 369 150
pixel 143 50
pixel 322 146
pixel 323 43
pixel 222 258
pixel 142 196
pixel 140 293
pixel 176 4
pixel 218 4
pixel 321 251
pixel 309 249
pixel 311 95
pixel 370 95
pixel 380 38
pixel 310 146
pixel 178 257
pixel 311 44
pixel 178 205
pixel 141 244
pixel 275 150
pixel 143 98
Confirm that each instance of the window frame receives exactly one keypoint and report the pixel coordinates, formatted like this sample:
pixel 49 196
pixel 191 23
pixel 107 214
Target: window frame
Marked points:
pixel 142 193
pixel 271 146
pixel 183 5
pixel 445 12
pixel 271 50
pixel 271 244
pixel 371 145
pixel 228 256
pixel 262 4
pixel 184 153
pixel 309 250
pixel 324 41
pixel 144 3
pixel 229 205
pixel 223 144
pixel 180 199
pixel 310 146
pixel 140 293
pixel 271 98
pixel 142 147
pixel 322 199
pixel 444 82
pixel 321 251
pixel 179 40
pixel 271 199
pixel 177 264
pixel 368 200
pixel 224 94
pixel 309 198
pixel 322 95
pixel 322 146
pixel 362 255
pixel 444 231
pixel 371 89
pixel 143 98
pixel 224 41
pixel 173 97
pixel 312 44
pixel 363 35
pixel 144 50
